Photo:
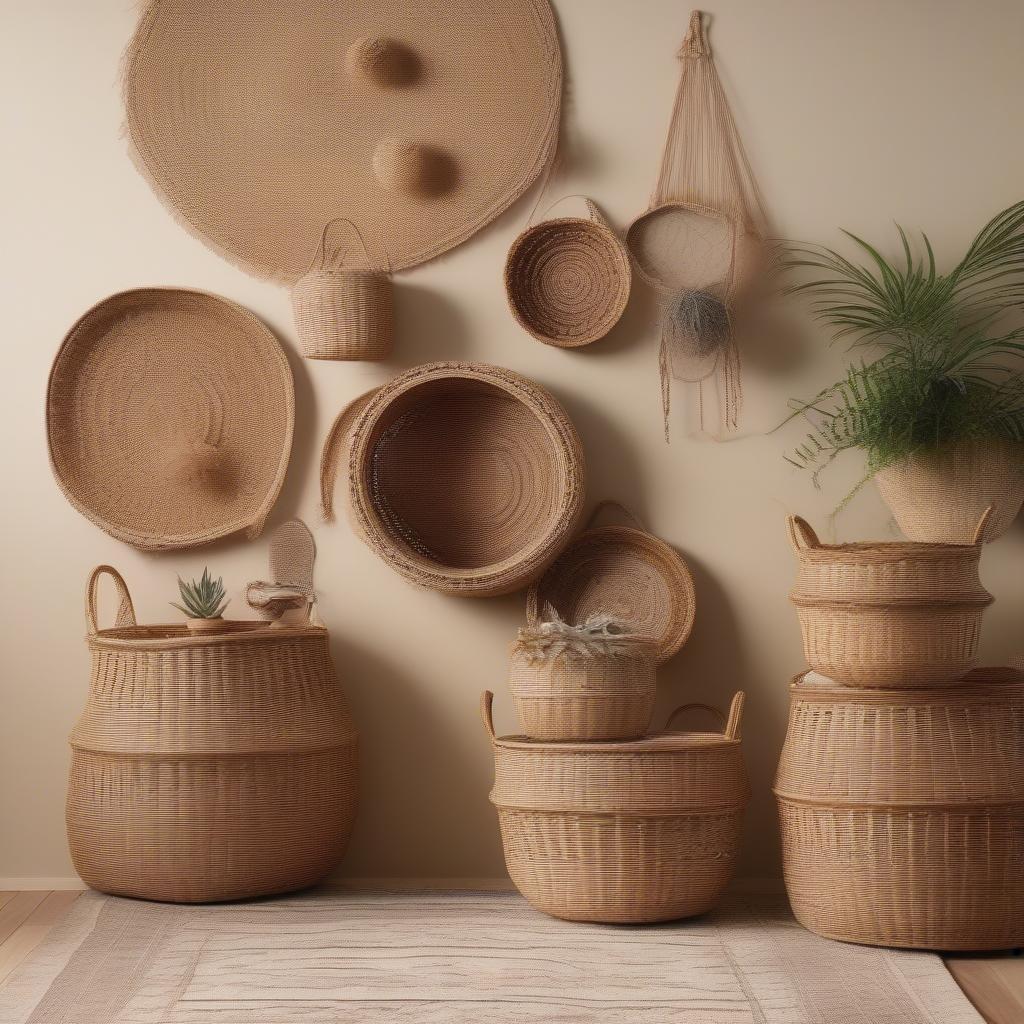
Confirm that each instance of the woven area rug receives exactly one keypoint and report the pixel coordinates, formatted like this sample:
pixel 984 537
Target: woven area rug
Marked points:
pixel 441 959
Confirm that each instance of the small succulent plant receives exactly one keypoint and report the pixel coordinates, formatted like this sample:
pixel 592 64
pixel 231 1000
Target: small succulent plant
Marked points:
pixel 203 598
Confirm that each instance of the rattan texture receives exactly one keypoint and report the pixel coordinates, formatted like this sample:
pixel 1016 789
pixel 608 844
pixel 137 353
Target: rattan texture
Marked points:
pixel 888 614
pixel 212 767
pixel 629 832
pixel 626 573
pixel 169 417
pixel 564 694
pixel 567 280
pixel 258 121
pixel 939 497
pixel 903 813
pixel 465 478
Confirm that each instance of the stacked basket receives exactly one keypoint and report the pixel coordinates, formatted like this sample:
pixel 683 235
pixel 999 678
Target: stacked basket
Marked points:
pixel 601 820
pixel 901 783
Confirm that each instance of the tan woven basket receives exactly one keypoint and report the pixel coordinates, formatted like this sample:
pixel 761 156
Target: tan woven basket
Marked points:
pixel 597 691
pixel 903 813
pixel 209 767
pixel 465 478
pixel 630 832
pixel 343 312
pixel 883 614
pixel 627 573
pixel 567 280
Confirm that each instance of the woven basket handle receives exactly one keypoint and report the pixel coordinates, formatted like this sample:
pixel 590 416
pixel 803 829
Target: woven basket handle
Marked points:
pixel 332 257
pixel 486 706
pixel 609 505
pixel 730 724
pixel 801 534
pixel 592 211
pixel 125 609
pixel 341 428
pixel 982 527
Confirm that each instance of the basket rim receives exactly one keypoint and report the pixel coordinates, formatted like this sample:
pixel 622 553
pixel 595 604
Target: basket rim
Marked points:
pixel 541 550
pixel 688 742
pixel 890 551
pixel 993 680
pixel 894 603
pixel 150 636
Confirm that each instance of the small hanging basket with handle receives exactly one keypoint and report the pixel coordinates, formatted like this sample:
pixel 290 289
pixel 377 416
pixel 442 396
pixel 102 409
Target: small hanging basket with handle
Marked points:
pixel 568 279
pixel 342 310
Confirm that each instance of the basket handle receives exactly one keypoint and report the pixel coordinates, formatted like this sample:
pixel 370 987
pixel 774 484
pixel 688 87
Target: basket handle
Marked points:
pixel 340 429
pixel 333 257
pixel 801 534
pixel 486 705
pixel 730 725
pixel 982 527
pixel 610 504
pixel 592 211
pixel 125 608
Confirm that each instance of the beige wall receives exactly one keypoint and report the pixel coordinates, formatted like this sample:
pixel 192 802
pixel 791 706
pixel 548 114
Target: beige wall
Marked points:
pixel 854 113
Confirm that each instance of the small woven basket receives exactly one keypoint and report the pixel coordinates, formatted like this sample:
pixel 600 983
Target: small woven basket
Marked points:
pixel 341 312
pixel 627 832
pixel 903 813
pixel 883 614
pixel 601 689
pixel 568 279
pixel 209 767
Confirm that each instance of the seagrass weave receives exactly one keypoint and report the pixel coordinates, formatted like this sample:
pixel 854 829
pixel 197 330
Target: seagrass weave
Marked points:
pixel 888 614
pixel 208 767
pixel 626 573
pixel 258 121
pixel 903 812
pixel 169 418
pixel 621 832
pixel 465 478
pixel 567 280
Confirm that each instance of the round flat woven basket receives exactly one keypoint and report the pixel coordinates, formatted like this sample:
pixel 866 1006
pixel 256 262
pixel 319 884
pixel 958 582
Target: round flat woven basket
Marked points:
pixel 169 418
pixel 626 573
pixel 258 121
pixel 465 478
pixel 567 280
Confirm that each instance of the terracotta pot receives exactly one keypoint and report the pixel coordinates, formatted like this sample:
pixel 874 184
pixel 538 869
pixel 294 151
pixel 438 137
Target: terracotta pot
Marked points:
pixel 940 497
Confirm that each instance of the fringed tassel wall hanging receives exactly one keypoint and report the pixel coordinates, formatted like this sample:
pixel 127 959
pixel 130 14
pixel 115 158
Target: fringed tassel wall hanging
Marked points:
pixel 701 240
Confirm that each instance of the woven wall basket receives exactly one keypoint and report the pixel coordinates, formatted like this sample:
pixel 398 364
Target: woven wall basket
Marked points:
pixel 903 813
pixel 258 121
pixel 213 767
pixel 624 572
pixel 343 311
pixel 883 614
pixel 644 830
pixel 169 418
pixel 567 280
pixel 465 478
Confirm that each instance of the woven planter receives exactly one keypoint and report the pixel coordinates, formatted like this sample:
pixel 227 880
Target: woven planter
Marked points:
pixel 597 690
pixel 627 832
pixel 903 813
pixel 465 478
pixel 567 280
pixel 209 768
pixel 939 498
pixel 882 614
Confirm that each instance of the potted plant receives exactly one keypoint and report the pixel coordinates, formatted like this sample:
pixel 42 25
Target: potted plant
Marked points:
pixel 939 410
pixel 204 602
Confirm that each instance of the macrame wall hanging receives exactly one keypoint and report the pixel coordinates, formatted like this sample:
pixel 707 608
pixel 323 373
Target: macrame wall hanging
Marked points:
pixel 700 241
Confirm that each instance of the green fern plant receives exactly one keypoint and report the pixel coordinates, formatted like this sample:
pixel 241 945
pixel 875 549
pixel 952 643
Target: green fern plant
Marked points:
pixel 946 369
pixel 202 598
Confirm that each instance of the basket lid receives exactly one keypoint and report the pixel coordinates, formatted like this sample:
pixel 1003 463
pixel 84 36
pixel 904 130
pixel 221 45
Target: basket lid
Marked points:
pixel 169 418
pixel 624 572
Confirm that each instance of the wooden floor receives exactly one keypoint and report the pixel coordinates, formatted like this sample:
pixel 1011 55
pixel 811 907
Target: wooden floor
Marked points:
pixel 995 984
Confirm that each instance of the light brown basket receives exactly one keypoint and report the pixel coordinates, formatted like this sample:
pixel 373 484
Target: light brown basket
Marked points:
pixel 209 767
pixel 903 813
pixel 630 832
pixel 884 614
pixel 465 478
pixel 567 280
pixel 626 573
pixel 343 312
pixel 602 690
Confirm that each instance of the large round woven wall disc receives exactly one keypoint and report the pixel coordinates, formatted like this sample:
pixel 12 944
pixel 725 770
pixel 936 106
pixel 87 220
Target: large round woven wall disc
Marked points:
pixel 258 121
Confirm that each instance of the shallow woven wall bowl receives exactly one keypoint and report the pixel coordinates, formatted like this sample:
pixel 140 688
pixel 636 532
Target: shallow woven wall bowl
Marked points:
pixel 465 478
pixel 568 280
